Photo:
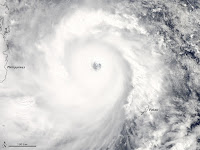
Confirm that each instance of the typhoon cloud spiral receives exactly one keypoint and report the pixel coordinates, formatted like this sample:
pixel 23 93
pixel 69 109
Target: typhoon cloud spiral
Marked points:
pixel 85 75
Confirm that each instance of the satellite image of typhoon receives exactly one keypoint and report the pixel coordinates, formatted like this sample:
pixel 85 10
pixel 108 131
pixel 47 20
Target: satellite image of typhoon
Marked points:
pixel 99 74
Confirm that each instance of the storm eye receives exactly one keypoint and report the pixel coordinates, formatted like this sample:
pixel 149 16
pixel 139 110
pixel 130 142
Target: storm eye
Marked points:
pixel 96 66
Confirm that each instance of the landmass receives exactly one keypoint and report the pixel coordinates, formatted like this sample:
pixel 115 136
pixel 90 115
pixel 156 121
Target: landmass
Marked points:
pixel 4 30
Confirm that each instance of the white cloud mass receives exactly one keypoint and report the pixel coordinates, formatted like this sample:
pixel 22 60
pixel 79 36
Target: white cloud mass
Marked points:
pixel 60 101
